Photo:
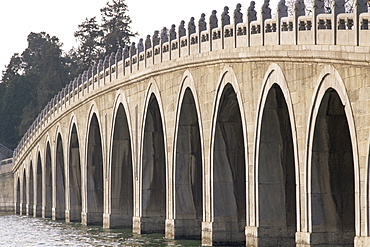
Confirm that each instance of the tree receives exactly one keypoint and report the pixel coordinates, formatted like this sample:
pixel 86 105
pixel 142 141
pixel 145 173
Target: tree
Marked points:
pixel 90 37
pixel 28 83
pixel 116 26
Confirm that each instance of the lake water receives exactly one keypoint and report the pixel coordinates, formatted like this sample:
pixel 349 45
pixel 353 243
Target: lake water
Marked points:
pixel 29 231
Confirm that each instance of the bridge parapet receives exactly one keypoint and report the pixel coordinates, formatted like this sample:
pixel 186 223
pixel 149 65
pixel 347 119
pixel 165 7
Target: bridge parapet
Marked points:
pixel 335 28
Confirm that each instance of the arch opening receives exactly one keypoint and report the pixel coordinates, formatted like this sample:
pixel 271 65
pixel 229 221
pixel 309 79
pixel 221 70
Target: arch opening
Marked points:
pixel 18 197
pixel 47 205
pixel 332 174
pixel 30 191
pixel 75 199
pixel 60 181
pixel 276 171
pixel 24 193
pixel 121 173
pixel 38 182
pixel 229 189
pixel 94 207
pixel 153 171
pixel 188 170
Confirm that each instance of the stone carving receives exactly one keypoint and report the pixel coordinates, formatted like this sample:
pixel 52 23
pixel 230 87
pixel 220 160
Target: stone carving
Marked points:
pixel 265 10
pixel 202 23
pixel 173 34
pixel 191 26
pixel 282 9
pixel 148 43
pixel 225 18
pixel 338 6
pixel 90 73
pixel 100 65
pixel 84 76
pixel 213 21
pixel 182 30
pixel 132 49
pixel 140 46
pixel 106 61
pixel 238 16
pixel 118 55
pixel 126 52
pixel 299 7
pixel 112 58
pixel 95 68
pixel 155 38
pixel 318 6
pixel 252 13
pixel 164 35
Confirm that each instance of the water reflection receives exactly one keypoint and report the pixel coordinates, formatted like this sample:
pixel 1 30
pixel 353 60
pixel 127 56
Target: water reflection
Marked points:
pixel 28 231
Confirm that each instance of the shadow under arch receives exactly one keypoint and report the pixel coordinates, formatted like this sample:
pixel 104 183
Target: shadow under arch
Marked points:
pixel 47 184
pixel 38 185
pixel 332 164
pixel 276 169
pixel 153 165
pixel 121 170
pixel 31 184
pixel 74 186
pixel 228 164
pixel 94 182
pixel 60 204
pixel 188 164
pixel 24 193
pixel 17 195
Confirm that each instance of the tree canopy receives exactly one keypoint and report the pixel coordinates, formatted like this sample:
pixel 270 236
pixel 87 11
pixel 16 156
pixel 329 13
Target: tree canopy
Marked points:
pixel 32 78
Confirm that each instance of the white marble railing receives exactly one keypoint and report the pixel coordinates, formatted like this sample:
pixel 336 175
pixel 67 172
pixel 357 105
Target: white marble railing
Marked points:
pixel 345 29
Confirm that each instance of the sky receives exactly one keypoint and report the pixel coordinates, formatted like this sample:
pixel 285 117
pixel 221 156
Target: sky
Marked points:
pixel 61 18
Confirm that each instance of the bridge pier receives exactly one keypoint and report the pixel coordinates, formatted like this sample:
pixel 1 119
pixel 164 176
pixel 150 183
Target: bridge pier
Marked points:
pixel 269 236
pixel 146 225
pixel 183 229
pixel 37 210
pixel 117 220
pixel 91 218
pixel 223 233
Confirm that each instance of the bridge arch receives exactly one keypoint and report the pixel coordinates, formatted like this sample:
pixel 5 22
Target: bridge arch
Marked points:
pixel 276 166
pixel 330 100
pixel 24 191
pixel 59 205
pixel 153 169
pixel 93 170
pixel 73 173
pixel 228 146
pixel 38 183
pixel 47 180
pixel 17 193
pixel 121 175
pixel 31 190
pixel 188 161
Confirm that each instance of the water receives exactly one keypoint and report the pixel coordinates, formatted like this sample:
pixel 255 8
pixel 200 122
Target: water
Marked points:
pixel 28 231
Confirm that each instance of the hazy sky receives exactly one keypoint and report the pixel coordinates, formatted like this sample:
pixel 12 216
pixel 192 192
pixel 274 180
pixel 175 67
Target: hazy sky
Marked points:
pixel 61 18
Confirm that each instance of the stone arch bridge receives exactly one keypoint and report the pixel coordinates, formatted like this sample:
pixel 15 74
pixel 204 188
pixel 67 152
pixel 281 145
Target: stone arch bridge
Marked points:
pixel 253 132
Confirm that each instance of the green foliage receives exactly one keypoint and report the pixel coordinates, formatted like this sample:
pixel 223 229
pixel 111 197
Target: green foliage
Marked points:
pixel 28 83
pixel 31 79
pixel 116 26
pixel 97 41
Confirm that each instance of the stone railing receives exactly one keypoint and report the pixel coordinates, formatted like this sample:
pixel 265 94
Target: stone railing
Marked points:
pixel 6 165
pixel 320 28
